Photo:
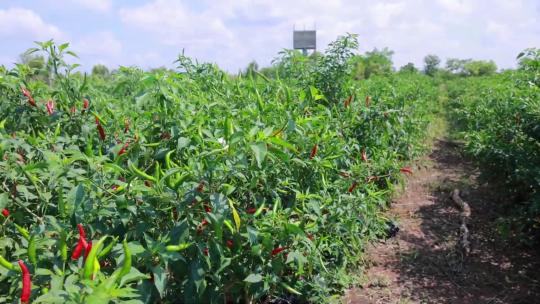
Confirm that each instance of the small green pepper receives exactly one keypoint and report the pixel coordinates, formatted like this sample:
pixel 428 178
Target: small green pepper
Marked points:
pixel 7 264
pixel 25 234
pixel 88 271
pixel 32 251
pixel 108 249
pixel 126 268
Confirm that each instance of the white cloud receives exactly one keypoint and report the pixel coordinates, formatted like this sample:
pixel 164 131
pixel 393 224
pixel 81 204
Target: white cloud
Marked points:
pixel 25 24
pixel 175 24
pixel 98 44
pixel 96 5
pixel 457 6
pixel 384 13
pixel 233 33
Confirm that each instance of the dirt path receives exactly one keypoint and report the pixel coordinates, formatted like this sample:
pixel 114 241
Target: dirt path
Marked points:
pixel 422 264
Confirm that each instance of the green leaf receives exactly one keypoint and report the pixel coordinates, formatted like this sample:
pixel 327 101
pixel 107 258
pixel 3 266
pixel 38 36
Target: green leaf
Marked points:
pixel 283 143
pixel 253 278
pixel 3 200
pixel 160 279
pixel 260 151
pixel 182 143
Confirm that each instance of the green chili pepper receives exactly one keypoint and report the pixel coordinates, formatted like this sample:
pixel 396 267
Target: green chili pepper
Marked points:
pixel 151 144
pixel 290 289
pixel 180 247
pixel 168 162
pixel 142 174
pixel 25 234
pixel 57 130
pixel 126 268
pixel 61 202
pixel 229 129
pixel 276 206
pixel 229 225
pixel 108 249
pixel 32 251
pixel 7 264
pixel 177 182
pixel 157 170
pixel 89 150
pixel 63 246
pixel 88 271
pixel 258 212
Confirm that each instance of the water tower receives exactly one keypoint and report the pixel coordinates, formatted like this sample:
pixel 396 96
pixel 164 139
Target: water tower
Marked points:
pixel 305 40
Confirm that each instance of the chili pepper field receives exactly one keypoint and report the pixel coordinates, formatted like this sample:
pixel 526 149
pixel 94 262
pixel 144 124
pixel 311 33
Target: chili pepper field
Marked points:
pixel 197 186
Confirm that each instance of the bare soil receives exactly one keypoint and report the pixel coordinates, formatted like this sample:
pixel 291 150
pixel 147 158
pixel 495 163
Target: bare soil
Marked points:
pixel 423 263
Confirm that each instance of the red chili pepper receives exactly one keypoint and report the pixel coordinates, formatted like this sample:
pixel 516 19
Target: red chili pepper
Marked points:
pixel 87 249
pixel 207 208
pixel 368 100
pixel 200 187
pixel 5 212
pixel 205 251
pixel 344 174
pixel 86 104
pixel 165 135
pixel 348 101
pixel 251 210
pixel 314 151
pixel 82 233
pixel 406 170
pixel 230 244
pixel 123 150
pixel 204 222
pixel 371 178
pixel 126 125
pixel 81 244
pixel 50 107
pixel 31 100
pixel 278 250
pixel 353 186
pixel 26 283
pixel 78 250
pixel 364 155
pixel 101 131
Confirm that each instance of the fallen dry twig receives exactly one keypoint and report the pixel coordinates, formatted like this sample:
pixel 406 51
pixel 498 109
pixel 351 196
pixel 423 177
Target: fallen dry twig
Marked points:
pixel 464 214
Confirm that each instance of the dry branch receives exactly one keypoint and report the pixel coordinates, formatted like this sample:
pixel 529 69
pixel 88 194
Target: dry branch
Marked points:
pixel 464 215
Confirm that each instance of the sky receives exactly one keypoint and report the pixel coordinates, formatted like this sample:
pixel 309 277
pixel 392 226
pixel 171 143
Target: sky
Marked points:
pixel 231 33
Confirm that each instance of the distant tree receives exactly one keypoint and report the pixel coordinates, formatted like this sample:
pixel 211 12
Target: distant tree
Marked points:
pixel 431 64
pixel 252 67
pixel 161 69
pixel 100 70
pixel 36 63
pixel 376 62
pixel 456 66
pixel 529 59
pixel 269 72
pixel 408 68
pixel 33 61
pixel 480 68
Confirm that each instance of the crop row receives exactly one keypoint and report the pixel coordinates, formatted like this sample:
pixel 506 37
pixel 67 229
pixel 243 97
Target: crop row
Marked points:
pixel 196 186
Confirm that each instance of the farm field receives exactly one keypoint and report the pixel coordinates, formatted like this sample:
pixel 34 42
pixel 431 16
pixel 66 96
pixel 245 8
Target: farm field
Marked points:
pixel 196 186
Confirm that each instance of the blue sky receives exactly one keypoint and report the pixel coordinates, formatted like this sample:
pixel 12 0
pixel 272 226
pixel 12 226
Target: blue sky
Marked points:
pixel 151 33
